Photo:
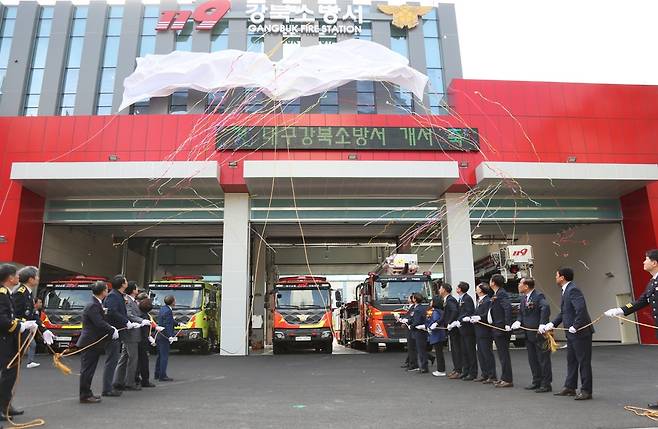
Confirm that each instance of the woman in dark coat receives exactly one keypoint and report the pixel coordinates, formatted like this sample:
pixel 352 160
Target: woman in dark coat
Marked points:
pixel 437 335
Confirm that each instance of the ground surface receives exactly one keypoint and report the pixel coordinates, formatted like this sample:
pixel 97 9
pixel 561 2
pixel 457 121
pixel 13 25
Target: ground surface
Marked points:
pixel 343 391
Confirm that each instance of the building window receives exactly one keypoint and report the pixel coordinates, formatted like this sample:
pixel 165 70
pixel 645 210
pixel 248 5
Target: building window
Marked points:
pixel 146 46
pixel 219 37
pixel 329 100
pixel 38 64
pixel 110 58
pixel 399 43
pixel 290 45
pixel 254 100
pixel 178 101
pixel 433 61
pixel 73 60
pixel 365 90
pixel 6 35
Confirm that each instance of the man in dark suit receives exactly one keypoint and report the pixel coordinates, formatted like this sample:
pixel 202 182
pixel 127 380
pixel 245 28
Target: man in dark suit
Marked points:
pixel 467 333
pixel 94 327
pixel 483 335
pixel 535 311
pixel 451 309
pixel 10 327
pixel 500 316
pixel 117 316
pixel 573 313
pixel 411 362
pixel 165 338
pixel 648 298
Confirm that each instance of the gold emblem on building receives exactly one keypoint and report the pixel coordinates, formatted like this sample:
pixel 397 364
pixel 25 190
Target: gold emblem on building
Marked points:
pixel 404 15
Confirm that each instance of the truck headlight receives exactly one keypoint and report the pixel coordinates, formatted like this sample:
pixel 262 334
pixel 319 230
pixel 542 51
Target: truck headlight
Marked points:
pixel 326 334
pixel 378 330
pixel 279 335
pixel 195 335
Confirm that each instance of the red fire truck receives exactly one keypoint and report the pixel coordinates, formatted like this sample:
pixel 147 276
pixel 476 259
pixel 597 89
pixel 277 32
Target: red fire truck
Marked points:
pixel 302 314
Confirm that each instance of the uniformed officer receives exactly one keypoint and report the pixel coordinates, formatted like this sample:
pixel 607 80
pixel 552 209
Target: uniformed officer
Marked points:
pixel 23 300
pixel 649 297
pixel 10 327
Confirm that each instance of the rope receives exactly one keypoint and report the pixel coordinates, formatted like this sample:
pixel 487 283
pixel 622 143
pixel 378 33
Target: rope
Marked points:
pixel 643 412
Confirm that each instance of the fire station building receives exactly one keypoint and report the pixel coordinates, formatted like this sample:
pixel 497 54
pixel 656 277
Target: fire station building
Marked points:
pixel 358 172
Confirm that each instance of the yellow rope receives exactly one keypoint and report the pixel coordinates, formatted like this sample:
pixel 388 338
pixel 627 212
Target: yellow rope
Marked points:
pixel 643 412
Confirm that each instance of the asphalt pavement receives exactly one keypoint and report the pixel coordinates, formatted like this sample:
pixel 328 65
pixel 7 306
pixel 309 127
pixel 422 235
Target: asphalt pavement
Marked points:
pixel 343 390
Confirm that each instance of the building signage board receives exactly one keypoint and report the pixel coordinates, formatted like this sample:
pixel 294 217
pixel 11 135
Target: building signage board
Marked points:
pixel 347 138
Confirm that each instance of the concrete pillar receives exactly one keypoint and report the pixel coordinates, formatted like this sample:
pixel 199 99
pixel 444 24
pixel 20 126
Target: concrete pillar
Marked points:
pixel 457 244
pixel 235 275
pixel 92 59
pixel 258 288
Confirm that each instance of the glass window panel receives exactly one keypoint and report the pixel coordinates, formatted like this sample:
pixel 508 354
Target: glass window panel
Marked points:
pixel 3 72
pixel 44 27
pixel 113 27
pixel 111 54
pixel 68 100
pixel 140 108
pixel 71 81
pixel 75 52
pixel 179 98
pixel 218 43
pixel 151 11
pixel 107 80
pixel 8 28
pixel 31 111
pixel 178 110
pixel 40 51
pixel 32 101
pixel 104 110
pixel 78 28
pixel 5 46
pixel 116 11
pixel 10 13
pixel 365 86
pixel 365 98
pixel 184 43
pixel 147 45
pixel 430 27
pixel 105 100
pixel 148 26
pixel 292 107
pixel 47 12
pixel 366 110
pixel 399 45
pixel 331 97
pixel 36 79
pixel 436 79
pixel 220 28
pixel 255 43
pixel 66 111
pixel 80 12
pixel 432 53
pixel 329 110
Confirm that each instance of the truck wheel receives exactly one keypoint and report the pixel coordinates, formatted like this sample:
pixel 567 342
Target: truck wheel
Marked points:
pixel 204 347
pixel 328 348
pixel 278 349
pixel 372 347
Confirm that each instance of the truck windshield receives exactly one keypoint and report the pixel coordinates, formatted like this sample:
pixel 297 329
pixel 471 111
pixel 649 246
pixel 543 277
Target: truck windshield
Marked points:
pixel 311 297
pixel 188 298
pixel 67 299
pixel 397 292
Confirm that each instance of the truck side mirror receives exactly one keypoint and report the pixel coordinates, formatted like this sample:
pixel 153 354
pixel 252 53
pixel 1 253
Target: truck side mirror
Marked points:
pixel 339 297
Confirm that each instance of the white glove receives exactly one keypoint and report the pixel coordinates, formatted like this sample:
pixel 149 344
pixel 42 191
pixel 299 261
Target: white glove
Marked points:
pixel 152 341
pixel 133 325
pixel 48 337
pixel 433 326
pixel 466 319
pixel 397 316
pixel 573 330
pixel 450 326
pixel 421 327
pixel 172 340
pixel 475 319
pixel 115 334
pixel 549 326
pixel 614 312
pixel 29 325
pixel 405 321
pixel 457 323
pixel 516 325
pixel 508 328
pixel 145 322
pixel 159 329
pixel 541 329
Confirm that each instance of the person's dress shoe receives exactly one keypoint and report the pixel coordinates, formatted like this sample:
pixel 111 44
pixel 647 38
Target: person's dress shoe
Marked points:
pixel 502 383
pixel 118 387
pixel 114 393
pixel 424 371
pixel 451 373
pixel 90 400
pixel 148 385
pixel 132 388
pixel 413 369
pixel 583 396
pixel 544 389
pixel 532 387
pixel 166 379
pixel 565 392
pixel 405 366
pixel 479 379
pixel 653 406
pixel 490 381
pixel 455 376
pixel 468 378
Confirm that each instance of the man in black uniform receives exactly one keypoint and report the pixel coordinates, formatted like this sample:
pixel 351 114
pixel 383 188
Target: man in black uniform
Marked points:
pixel 10 327
pixel 500 316
pixel 451 312
pixel 535 311
pixel 467 333
pixel 23 300
pixel 649 297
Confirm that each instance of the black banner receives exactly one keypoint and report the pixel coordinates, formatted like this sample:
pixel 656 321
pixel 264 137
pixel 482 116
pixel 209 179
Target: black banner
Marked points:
pixel 347 138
